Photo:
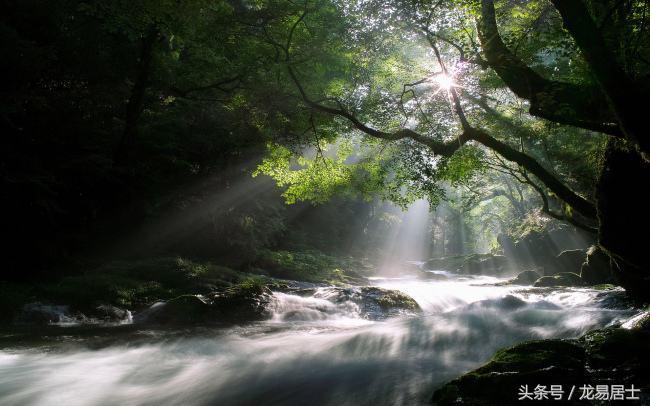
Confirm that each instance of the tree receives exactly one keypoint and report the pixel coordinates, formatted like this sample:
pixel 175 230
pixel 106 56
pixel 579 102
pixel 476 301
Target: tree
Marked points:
pixel 607 42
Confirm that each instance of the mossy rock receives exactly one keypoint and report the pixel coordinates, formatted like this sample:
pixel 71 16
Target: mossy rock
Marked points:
pixel 606 356
pixel 525 278
pixel 561 279
pixel 597 268
pixel 244 302
pixel 135 284
pixel 397 300
pixel 530 363
pixel 184 309
pixel 485 264
pixel 312 266
pixel 569 261
pixel 445 263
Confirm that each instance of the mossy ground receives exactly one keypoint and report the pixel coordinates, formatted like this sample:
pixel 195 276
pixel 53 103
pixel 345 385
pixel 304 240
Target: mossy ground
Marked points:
pixel 138 283
pixel 313 266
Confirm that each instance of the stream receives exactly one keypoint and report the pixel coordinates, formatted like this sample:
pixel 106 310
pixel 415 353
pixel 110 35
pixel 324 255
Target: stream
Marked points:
pixel 312 351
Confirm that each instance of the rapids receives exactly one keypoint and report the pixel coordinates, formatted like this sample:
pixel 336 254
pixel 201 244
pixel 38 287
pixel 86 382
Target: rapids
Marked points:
pixel 314 350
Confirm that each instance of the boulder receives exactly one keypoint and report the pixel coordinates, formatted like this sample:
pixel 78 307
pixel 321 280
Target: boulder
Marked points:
pixel 109 313
pixel 391 300
pixel 534 248
pixel 444 263
pixel 531 363
pixel 39 313
pixel 568 261
pixel 185 309
pixel 525 278
pixel 485 264
pixel 600 357
pixel 373 303
pixel 597 268
pixel 242 303
pixel 432 276
pixel 561 279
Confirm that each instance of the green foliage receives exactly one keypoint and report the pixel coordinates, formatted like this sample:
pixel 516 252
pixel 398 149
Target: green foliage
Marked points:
pixel 138 283
pixel 463 165
pixel 310 266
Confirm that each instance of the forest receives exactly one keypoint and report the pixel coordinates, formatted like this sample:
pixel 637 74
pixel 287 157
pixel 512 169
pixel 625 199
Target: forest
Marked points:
pixel 334 202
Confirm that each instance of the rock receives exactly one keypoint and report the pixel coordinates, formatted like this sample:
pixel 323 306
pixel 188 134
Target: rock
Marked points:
pixel 39 313
pixel 525 278
pixel 640 322
pixel 444 263
pixel 485 264
pixel 561 279
pixel 432 276
pixel 600 357
pixel 568 261
pixel 185 309
pixel 508 302
pixel 597 268
pixel 373 303
pixel 392 299
pixel 242 303
pixel 109 313
pixel 534 248
pixel 531 363
pixel 619 355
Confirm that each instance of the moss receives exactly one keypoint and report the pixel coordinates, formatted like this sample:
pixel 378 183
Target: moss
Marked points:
pixel 603 286
pixel 598 357
pixel 397 300
pixel 138 283
pixel 311 266
pixel 530 355
pixel 529 363
pixel 561 279
pixel 249 287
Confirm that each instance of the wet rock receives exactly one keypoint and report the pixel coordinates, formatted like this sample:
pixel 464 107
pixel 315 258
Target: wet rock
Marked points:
pixel 109 314
pixel 640 322
pixel 525 278
pixel 391 299
pixel 607 356
pixel 185 309
pixel 597 268
pixel 39 313
pixel 531 363
pixel 534 248
pixel 568 261
pixel 445 263
pixel 561 279
pixel 432 276
pixel 373 303
pixel 242 303
pixel 485 264
pixel 620 356
pixel 508 302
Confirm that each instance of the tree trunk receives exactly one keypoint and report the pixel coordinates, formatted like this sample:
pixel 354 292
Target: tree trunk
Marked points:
pixel 623 212
pixel 136 101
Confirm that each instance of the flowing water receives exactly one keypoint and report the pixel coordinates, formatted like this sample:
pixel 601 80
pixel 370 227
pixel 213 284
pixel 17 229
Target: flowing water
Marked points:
pixel 313 351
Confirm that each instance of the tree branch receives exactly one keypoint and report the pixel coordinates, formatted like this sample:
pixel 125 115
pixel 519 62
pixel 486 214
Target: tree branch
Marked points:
pixel 565 103
pixel 622 92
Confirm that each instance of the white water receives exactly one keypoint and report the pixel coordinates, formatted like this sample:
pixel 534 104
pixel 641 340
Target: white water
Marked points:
pixel 312 351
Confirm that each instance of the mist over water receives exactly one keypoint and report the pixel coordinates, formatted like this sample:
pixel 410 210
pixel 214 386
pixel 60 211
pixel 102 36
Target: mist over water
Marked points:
pixel 314 350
